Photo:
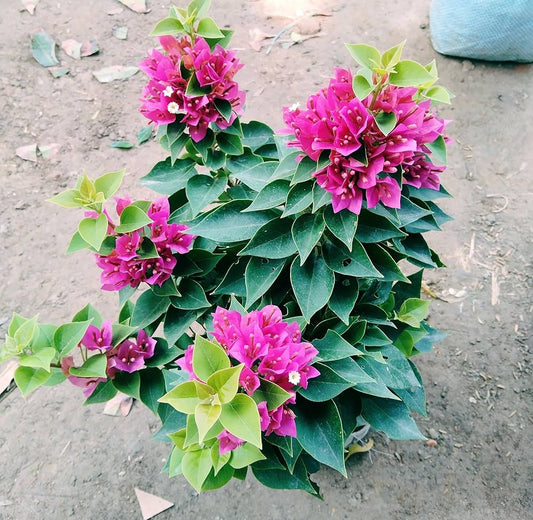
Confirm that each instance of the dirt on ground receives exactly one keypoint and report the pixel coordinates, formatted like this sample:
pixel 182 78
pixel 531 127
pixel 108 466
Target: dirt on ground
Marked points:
pixel 60 460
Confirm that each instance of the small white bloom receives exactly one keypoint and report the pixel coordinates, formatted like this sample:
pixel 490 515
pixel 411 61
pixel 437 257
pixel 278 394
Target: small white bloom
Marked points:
pixel 294 106
pixel 294 377
pixel 173 107
pixel 168 91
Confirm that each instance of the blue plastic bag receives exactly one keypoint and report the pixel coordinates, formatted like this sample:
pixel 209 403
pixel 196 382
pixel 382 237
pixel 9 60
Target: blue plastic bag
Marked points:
pixel 495 30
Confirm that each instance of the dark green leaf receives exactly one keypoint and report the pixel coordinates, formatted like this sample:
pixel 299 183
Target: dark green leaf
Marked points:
pixel 332 347
pixel 273 240
pixel 271 196
pixel 148 308
pixel 202 190
pixel 43 49
pixel 177 322
pixel 344 297
pixel 256 134
pixel 283 479
pixel 354 263
pixel 326 386
pixel 230 144
pixel 374 228
pixel 415 248
pixel 257 176
pixel 152 387
pixel 304 170
pixel 384 263
pixel 128 384
pixel 104 391
pixel 306 231
pixel 299 198
pixel 192 296
pixel 233 282
pixel 167 179
pixel 342 224
pixel 259 276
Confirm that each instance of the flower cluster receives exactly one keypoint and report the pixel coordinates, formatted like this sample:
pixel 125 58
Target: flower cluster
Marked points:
pixel 270 349
pixel 125 265
pixel 127 356
pixel 169 92
pixel 363 159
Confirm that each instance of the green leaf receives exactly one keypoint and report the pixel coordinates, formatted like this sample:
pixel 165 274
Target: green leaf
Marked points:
pixel 196 466
pixel 374 228
pixel 273 240
pixel 225 382
pixel 409 73
pixel 438 94
pixel 206 415
pixel 365 55
pixel 121 332
pixel 344 296
pixel 208 29
pixel 198 8
pixel 67 336
pixel 354 263
pixel 320 432
pixel 223 42
pixel 230 144
pixel 299 198
pixel 166 178
pixel 392 56
pixel 326 386
pixel 67 199
pixel 312 283
pixel 257 176
pixel 224 108
pixel 144 134
pixel 43 49
pixel 271 196
pixel 76 244
pixel 104 391
pixel 40 359
pixel 167 26
pixel 413 311
pixel 95 366
pixel 152 387
pixel 349 370
pixel 177 322
pixel 234 281
pixel 88 313
pixel 306 231
pixel 304 170
pixel 124 145
pixel 283 479
pixel 194 89
pixel 386 122
pixel 241 418
pixel 148 308
pixel 183 397
pixel 375 337
pixel 202 190
pixel 286 167
pixel 391 417
pixel 256 134
pixel 228 224
pixel 342 224
pixel 208 358
pixel 220 478
pixel 28 378
pixel 272 393
pixel 259 276
pixel 93 231
pixel 332 347
pixel 128 383
pixel 132 218
pixel 25 332
pixel 44 336
pixel 384 263
pixel 438 151
pixel 245 455
pixel 192 296
pixel 361 86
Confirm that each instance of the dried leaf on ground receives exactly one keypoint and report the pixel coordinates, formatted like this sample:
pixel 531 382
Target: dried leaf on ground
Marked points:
pixel 48 151
pixel 256 37
pixel 151 505
pixel 57 72
pixel 125 145
pixel 120 405
pixel 43 49
pixel 7 374
pixel 27 152
pixel 30 5
pixel 114 73
pixel 114 11
pixel 72 48
pixel 144 134
pixel 139 6
pixel 120 32
pixel 358 448
pixel 89 48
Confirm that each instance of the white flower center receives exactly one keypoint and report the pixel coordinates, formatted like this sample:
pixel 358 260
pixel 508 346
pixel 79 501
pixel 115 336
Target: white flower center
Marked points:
pixel 173 107
pixel 294 107
pixel 168 91
pixel 294 377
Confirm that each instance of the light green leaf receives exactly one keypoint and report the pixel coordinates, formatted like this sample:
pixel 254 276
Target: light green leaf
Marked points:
pixel 438 151
pixel 24 332
pixel 40 359
pixel 67 336
pixel 132 218
pixel 124 145
pixel 241 418
pixel 196 466
pixel 206 415
pixel 365 55
pixel 67 199
pixel 167 26
pixel 409 73
pixel 312 283
pixel 93 231
pixel 361 86
pixel 386 122
pixel 413 311
pixel 306 231
pixel 182 397
pixel 391 56
pixel 109 183
pixel 225 382
pixel 438 94
pixel 208 358
pixel 198 8
pixel 28 378
pixel 95 366
pixel 208 29
pixel 245 455
pixel 144 134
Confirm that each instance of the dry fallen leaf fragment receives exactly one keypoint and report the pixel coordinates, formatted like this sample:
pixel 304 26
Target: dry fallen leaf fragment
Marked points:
pixel 114 73
pixel 120 405
pixel 139 6
pixel 57 72
pixel 7 373
pixel 120 32
pixel 151 505
pixel 48 151
pixel 43 49
pixel 72 48
pixel 358 448
pixel 27 152
pixel 30 5
pixel 89 48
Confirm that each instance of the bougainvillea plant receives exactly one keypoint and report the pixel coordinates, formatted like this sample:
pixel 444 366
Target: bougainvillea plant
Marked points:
pixel 265 315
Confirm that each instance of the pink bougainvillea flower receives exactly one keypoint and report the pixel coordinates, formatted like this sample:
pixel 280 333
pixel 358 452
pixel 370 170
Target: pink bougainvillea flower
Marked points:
pixel 127 245
pixel 127 357
pixel 385 190
pixel 228 442
pixel 98 339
